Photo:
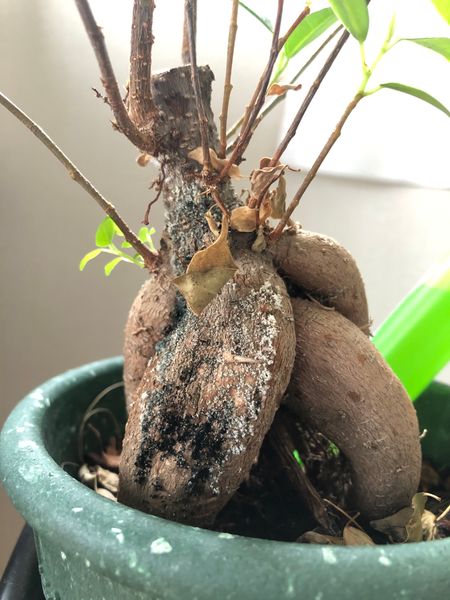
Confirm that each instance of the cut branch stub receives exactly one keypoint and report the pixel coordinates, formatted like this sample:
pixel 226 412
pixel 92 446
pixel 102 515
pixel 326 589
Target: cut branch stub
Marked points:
pixel 342 387
pixel 208 398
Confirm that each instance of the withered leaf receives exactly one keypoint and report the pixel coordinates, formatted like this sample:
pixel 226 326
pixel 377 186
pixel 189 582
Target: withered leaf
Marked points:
pixel 261 179
pixel 277 89
pixel 209 270
pixel 414 525
pixel 278 199
pixel 106 494
pixel 429 528
pixel 216 162
pixel 260 242
pixel 312 537
pixel 108 479
pixel 394 526
pixel 355 537
pixel 243 219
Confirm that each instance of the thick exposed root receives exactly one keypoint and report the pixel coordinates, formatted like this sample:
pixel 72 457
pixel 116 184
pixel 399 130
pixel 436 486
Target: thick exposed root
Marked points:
pixel 319 265
pixel 150 318
pixel 208 398
pixel 342 387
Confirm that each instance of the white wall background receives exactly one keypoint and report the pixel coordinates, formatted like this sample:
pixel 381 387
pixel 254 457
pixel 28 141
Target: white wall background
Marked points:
pixel 51 316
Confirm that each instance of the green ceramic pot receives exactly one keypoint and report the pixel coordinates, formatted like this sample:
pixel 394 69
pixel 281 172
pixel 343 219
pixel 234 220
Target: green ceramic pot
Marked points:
pixel 92 548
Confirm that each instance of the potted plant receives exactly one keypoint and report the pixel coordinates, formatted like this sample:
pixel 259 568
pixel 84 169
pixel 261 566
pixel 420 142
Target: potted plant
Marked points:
pixel 247 341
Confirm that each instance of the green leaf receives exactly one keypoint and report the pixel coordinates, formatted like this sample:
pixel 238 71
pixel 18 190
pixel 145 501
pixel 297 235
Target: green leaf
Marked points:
pixel 438 44
pixel 406 89
pixel 145 236
pixel 126 245
pixel 443 7
pixel 89 256
pixel 354 16
pixel 111 265
pixel 105 233
pixel 267 24
pixel 308 30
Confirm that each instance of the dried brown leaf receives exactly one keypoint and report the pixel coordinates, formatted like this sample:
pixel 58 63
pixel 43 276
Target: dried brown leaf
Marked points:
pixel 261 179
pixel 209 270
pixel 260 243
pixel 278 199
pixel 243 219
pixel 394 526
pixel 87 476
pixel 106 494
pixel 107 479
pixel 143 159
pixel 414 525
pixel 355 537
pixel 312 537
pixel 429 528
pixel 216 162
pixel 277 89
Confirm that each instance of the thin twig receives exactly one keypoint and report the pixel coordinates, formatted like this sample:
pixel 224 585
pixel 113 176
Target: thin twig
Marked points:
pixel 109 81
pixel 315 167
pixel 257 99
pixel 227 85
pixel 305 12
pixel 189 8
pixel 185 54
pixel 278 99
pixel 140 102
pixel 158 184
pixel 308 99
pixel 150 260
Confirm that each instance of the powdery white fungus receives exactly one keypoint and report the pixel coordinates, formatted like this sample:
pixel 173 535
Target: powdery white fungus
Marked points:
pixel 27 444
pixel 329 556
pixel 384 560
pixel 77 509
pixel 160 546
pixel 63 555
pixel 226 536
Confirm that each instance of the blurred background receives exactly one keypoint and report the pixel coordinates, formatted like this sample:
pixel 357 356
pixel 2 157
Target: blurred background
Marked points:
pixel 384 191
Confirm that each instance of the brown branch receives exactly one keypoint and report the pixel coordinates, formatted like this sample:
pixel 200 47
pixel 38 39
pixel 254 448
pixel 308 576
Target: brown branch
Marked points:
pixel 278 99
pixel 315 167
pixel 109 81
pixel 189 8
pixel 305 12
pixel 158 184
pixel 227 85
pixel 140 102
pixel 185 54
pixel 150 260
pixel 257 100
pixel 308 99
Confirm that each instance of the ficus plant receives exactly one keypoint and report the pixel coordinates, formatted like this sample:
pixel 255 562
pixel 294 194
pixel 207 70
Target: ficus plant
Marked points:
pixel 251 337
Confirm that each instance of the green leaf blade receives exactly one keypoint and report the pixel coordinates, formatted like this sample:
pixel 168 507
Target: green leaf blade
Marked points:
pixel 420 94
pixel 443 8
pixel 105 233
pixel 88 257
pixel 308 30
pixel 111 265
pixel 354 15
pixel 441 45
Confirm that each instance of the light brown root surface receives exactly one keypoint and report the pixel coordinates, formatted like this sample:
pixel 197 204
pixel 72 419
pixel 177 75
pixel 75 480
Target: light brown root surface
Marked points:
pixel 342 387
pixel 150 319
pixel 208 398
pixel 319 265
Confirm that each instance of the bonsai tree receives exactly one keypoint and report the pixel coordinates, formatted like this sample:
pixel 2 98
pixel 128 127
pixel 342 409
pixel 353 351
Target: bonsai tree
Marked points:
pixel 250 333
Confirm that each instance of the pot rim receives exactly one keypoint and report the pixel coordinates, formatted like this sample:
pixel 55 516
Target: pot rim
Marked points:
pixel 131 546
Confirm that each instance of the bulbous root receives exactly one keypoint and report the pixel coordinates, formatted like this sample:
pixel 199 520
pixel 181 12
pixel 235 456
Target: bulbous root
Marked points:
pixel 208 398
pixel 150 319
pixel 342 387
pixel 319 265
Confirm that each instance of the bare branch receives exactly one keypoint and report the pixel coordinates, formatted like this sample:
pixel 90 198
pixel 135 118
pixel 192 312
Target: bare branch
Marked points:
pixel 308 99
pixel 109 81
pixel 227 85
pixel 185 54
pixel 140 101
pixel 278 99
pixel 189 8
pixel 315 167
pixel 150 260
pixel 257 99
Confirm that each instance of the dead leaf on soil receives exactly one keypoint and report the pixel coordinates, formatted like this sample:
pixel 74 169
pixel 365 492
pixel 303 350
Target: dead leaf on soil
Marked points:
pixel 429 527
pixel 407 525
pixel 209 270
pixel 312 537
pixel 356 537
pixel 278 89
pixel 216 162
pixel 106 494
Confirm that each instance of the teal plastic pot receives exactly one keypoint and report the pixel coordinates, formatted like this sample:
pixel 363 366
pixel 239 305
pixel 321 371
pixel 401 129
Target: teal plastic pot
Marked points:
pixel 92 548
